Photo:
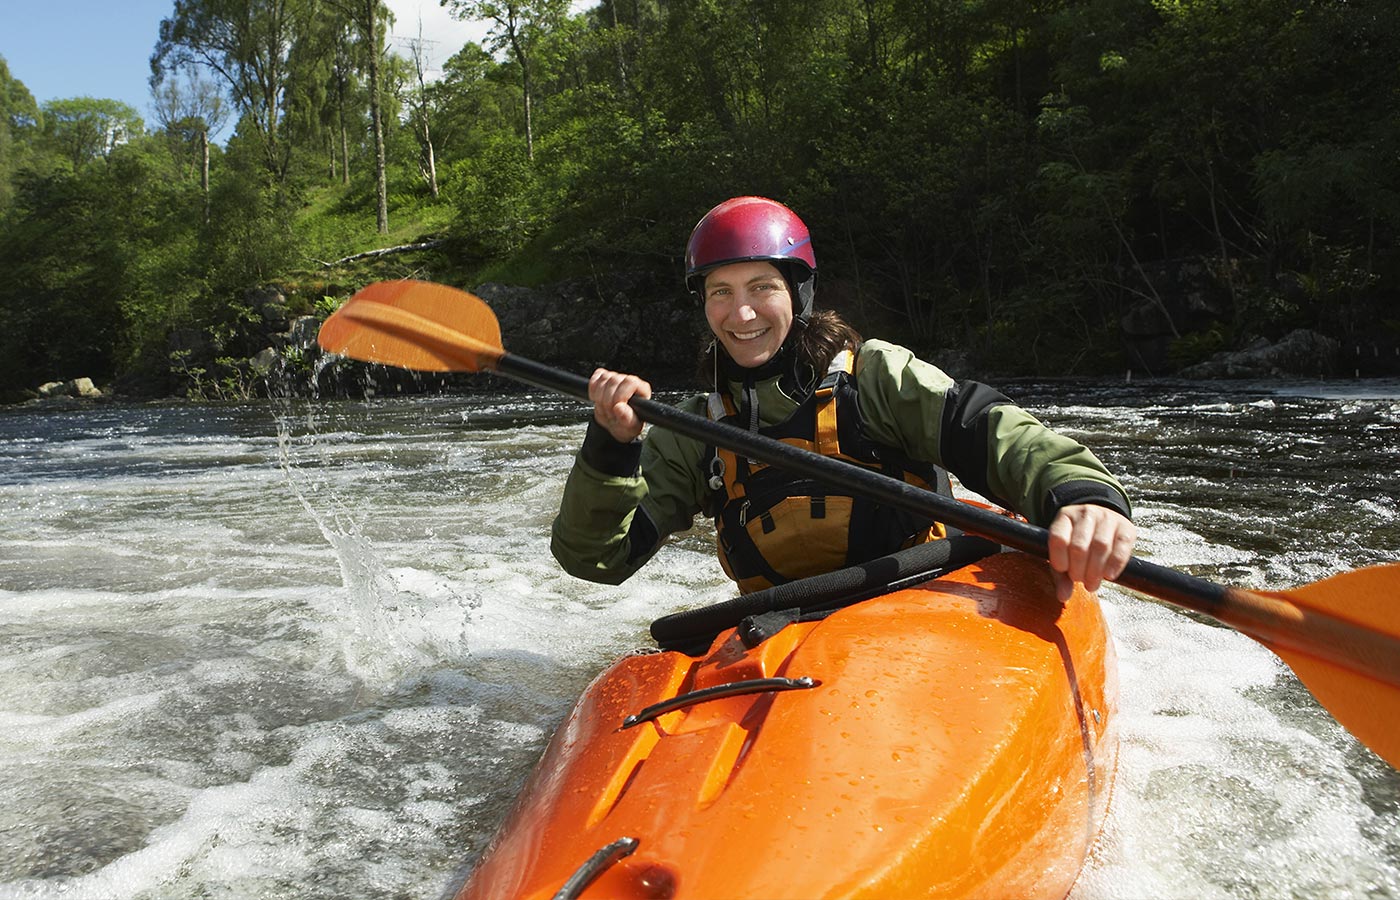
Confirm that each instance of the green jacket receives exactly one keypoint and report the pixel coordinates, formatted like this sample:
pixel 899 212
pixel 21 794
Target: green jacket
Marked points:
pixel 622 500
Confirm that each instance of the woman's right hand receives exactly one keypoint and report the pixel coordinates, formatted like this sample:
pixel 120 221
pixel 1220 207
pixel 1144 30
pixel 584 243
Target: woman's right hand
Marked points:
pixel 610 392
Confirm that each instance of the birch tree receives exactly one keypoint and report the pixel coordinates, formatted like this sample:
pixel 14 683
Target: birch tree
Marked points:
pixel 516 26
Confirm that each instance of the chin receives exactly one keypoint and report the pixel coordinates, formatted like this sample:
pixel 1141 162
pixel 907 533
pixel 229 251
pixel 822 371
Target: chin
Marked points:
pixel 750 360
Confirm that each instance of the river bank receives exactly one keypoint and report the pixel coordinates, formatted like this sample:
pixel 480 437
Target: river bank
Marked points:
pixel 636 321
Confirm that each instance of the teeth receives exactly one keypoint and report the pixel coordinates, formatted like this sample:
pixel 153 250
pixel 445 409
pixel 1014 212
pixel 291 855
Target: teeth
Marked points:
pixel 748 335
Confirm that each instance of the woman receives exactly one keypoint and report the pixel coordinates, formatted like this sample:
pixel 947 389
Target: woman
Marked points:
pixel 780 367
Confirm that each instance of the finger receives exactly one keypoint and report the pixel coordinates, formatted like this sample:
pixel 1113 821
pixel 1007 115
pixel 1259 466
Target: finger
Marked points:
pixel 1124 540
pixel 597 384
pixel 1080 548
pixel 1097 553
pixel 623 414
pixel 1058 544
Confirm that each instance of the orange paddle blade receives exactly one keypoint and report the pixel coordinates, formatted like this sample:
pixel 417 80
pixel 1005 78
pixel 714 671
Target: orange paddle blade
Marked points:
pixel 415 325
pixel 1364 608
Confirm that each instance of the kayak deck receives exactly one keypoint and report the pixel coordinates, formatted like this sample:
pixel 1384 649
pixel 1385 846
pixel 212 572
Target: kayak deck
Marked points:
pixel 951 739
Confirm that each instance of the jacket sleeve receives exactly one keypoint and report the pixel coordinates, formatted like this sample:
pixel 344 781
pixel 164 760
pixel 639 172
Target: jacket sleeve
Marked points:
pixel 622 500
pixel 989 443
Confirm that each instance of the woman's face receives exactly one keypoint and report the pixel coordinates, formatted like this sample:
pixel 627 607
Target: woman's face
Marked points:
pixel 749 309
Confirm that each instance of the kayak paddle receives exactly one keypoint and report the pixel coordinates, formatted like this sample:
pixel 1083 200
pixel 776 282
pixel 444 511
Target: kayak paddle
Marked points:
pixel 1340 635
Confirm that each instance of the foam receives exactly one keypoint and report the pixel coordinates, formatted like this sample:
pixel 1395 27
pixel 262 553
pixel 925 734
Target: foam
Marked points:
pixel 321 663
pixel 1218 793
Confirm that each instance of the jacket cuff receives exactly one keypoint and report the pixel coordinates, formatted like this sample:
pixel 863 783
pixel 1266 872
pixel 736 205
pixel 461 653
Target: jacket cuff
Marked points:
pixel 1095 492
pixel 608 455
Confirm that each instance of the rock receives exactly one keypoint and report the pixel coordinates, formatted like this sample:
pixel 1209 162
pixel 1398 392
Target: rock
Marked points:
pixel 1190 297
pixel 264 360
pixel 625 321
pixel 270 306
pixel 635 322
pixel 1301 352
pixel 80 388
pixel 302 333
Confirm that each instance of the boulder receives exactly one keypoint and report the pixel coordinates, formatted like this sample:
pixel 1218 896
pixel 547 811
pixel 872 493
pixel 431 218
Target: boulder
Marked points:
pixel 630 322
pixel 80 388
pixel 635 322
pixel 302 333
pixel 1189 297
pixel 269 306
pixel 264 360
pixel 1300 352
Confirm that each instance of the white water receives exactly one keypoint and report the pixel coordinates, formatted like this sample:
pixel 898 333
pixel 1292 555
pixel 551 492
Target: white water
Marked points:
pixel 233 665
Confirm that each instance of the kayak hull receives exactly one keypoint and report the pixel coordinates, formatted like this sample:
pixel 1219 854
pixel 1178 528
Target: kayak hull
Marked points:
pixel 957 740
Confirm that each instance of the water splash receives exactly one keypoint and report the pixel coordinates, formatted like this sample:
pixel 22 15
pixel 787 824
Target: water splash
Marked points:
pixel 387 624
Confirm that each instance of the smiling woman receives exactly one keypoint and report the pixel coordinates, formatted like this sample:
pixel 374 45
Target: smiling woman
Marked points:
pixel 749 308
pixel 419 307
pixel 778 367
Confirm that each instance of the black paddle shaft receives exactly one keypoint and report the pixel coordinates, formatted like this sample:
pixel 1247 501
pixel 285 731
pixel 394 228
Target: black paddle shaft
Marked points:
pixel 1175 587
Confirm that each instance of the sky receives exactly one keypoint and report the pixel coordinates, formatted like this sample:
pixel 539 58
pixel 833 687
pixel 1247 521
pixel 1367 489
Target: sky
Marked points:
pixel 102 48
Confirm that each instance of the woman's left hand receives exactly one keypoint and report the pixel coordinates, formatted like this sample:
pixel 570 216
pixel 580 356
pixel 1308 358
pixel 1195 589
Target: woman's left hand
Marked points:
pixel 1089 544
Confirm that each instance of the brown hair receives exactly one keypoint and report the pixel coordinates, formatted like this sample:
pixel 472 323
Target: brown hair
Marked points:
pixel 815 342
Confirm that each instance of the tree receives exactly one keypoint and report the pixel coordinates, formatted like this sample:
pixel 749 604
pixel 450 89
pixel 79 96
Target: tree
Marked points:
pixel 191 111
pixel 246 43
pixel 99 258
pixel 82 129
pixel 516 27
pixel 420 100
pixel 20 123
pixel 371 20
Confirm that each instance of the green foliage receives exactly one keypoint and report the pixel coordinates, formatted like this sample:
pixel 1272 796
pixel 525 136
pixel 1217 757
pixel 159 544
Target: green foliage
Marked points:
pixel 1195 348
pixel 20 121
pixel 83 129
pixel 496 197
pixel 994 176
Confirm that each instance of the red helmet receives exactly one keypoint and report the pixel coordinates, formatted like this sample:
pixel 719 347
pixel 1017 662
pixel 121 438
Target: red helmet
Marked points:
pixel 753 228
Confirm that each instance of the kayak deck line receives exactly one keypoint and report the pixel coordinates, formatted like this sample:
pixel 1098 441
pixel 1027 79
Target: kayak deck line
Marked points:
pixel 732 689
pixel 587 873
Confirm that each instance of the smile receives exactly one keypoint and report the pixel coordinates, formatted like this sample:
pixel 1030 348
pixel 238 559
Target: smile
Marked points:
pixel 749 335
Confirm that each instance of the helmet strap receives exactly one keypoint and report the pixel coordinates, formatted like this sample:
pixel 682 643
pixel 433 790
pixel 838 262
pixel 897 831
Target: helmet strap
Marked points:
pixel 801 283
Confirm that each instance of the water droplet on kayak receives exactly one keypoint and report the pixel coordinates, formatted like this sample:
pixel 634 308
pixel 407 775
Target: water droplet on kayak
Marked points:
pixel 657 883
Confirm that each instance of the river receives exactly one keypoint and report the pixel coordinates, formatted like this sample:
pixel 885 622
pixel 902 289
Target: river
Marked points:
pixel 310 650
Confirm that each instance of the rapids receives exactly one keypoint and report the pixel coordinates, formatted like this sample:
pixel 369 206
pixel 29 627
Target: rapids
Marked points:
pixel 305 650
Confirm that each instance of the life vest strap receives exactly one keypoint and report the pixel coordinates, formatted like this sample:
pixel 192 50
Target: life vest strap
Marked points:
pixel 827 440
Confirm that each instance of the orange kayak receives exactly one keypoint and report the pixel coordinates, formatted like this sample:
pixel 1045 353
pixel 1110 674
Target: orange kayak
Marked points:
pixel 951 739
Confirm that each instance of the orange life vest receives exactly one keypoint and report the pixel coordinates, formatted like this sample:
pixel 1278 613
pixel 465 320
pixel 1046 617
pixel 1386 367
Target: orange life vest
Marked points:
pixel 773 526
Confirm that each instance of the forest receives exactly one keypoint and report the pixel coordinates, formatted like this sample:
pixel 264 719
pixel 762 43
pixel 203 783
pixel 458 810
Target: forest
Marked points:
pixel 1020 180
